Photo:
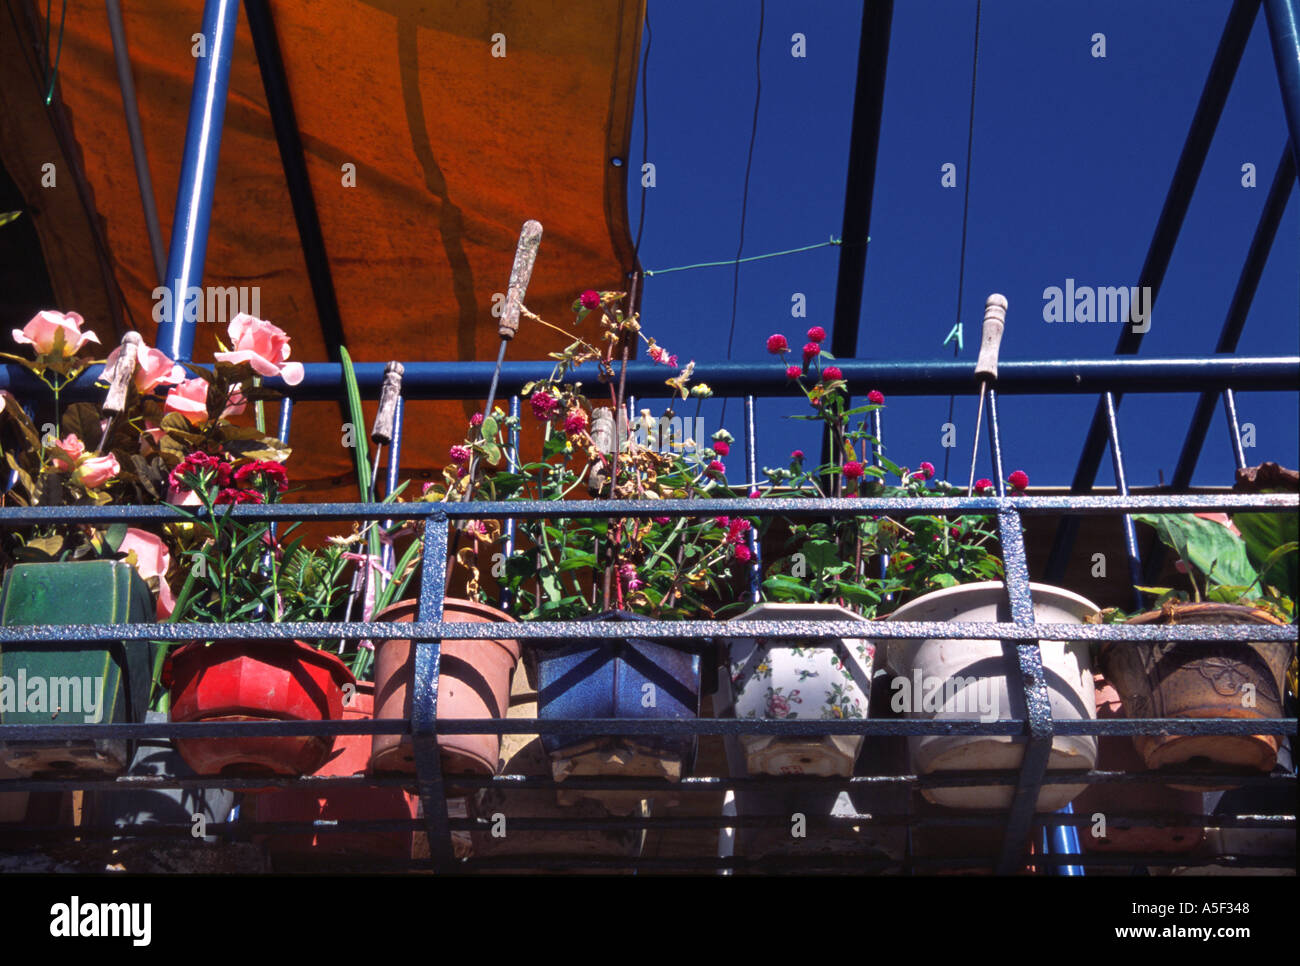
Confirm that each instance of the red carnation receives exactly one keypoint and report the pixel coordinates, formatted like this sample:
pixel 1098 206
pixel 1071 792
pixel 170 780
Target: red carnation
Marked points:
pixel 1019 480
pixel 875 397
pixel 248 474
pixel 817 334
pixel 776 344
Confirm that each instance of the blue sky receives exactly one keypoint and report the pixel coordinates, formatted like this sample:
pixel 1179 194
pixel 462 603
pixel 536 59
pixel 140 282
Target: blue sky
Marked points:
pixel 1073 155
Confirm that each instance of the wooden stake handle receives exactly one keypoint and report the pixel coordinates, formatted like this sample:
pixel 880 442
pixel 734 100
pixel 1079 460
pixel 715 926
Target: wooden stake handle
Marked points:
pixel 525 254
pixel 995 316
pixel 119 380
pixel 382 430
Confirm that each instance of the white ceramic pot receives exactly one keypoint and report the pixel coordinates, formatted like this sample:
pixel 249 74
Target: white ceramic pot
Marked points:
pixel 953 680
pixel 793 678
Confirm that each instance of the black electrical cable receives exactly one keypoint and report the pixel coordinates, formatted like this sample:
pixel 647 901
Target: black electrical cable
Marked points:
pixel 744 198
pixel 965 208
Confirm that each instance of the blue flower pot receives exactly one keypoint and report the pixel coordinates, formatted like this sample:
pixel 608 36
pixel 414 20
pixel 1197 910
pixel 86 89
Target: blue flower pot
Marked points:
pixel 617 678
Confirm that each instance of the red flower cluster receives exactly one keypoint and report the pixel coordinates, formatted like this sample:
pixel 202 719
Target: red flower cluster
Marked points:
pixel 544 404
pixel 199 464
pixel 575 422
pixel 261 473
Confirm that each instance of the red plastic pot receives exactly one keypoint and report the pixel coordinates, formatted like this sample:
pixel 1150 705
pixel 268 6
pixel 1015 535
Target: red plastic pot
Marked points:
pixel 474 682
pixel 350 757
pixel 256 681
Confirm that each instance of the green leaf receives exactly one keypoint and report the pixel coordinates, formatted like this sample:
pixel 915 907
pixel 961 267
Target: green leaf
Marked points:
pixel 360 449
pixel 1214 550
pixel 1265 535
pixel 782 588
pixel 944 580
pixel 8 216
pixel 490 428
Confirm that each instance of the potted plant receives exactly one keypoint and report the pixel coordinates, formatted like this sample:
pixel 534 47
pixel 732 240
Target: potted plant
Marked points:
pixel 83 455
pixel 577 568
pixel 1239 574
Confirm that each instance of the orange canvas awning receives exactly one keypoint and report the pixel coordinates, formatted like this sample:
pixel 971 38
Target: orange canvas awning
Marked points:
pixel 452 149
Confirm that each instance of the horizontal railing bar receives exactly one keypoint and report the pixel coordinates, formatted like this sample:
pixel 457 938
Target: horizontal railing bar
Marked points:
pixel 696 785
pixel 773 507
pixel 657 726
pixel 686 631
pixel 471 380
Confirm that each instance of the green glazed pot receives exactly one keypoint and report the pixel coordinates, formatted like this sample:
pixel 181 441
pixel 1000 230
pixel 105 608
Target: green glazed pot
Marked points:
pixel 65 682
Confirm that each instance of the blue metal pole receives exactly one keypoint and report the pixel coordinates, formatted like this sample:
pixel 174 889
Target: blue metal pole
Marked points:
pixel 1284 30
pixel 1065 841
pixel 189 240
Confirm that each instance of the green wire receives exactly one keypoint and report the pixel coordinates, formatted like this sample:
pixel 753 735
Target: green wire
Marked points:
pixel 752 258
pixel 58 54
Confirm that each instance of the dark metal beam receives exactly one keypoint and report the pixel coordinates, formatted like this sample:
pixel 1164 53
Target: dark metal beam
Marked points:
pixel 868 105
pixel 1284 31
pixel 1205 121
pixel 280 103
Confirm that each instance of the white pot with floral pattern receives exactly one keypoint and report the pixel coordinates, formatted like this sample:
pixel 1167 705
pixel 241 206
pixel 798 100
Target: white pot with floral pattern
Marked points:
pixel 796 678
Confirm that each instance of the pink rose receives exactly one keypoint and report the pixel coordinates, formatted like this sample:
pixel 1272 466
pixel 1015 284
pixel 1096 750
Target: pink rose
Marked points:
pixel 53 333
pixel 95 471
pixel 68 452
pixel 777 707
pixel 263 346
pixel 190 399
pixel 151 560
pixel 152 368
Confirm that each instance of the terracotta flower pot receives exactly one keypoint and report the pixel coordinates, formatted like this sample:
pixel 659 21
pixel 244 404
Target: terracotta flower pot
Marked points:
pixel 1178 679
pixel 1118 802
pixel 351 756
pixel 474 682
pixel 256 681
pixel 941 679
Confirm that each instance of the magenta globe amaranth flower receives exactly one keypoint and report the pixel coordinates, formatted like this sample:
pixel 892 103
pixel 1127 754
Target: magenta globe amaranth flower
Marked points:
pixel 458 454
pixel 1019 480
pixel 831 373
pixel 544 404
pixel 722 447
pixel 876 397
pixel 927 469
pixel 590 299
pixel 853 469
pixel 817 334
pixel 776 344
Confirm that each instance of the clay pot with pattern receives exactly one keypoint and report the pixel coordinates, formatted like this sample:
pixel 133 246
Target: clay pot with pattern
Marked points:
pixel 1202 679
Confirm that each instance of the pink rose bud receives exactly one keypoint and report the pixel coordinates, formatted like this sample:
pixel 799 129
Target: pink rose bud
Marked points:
pixel 95 471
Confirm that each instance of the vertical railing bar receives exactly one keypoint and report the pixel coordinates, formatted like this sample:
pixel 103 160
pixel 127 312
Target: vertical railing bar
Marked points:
pixel 995 443
pixel 751 454
pixel 1033 682
pixel 1121 485
pixel 424 697
pixel 1234 428
pixel 512 462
